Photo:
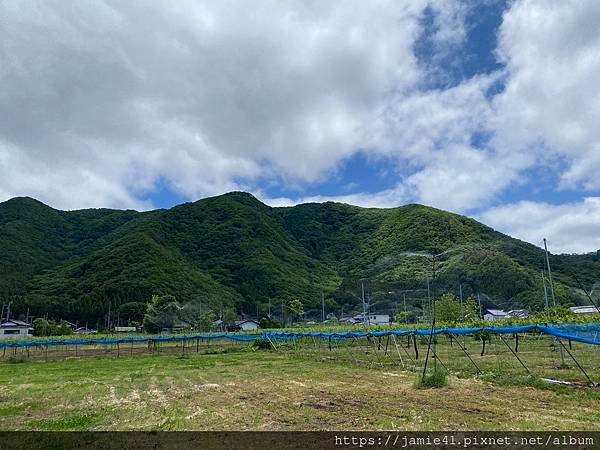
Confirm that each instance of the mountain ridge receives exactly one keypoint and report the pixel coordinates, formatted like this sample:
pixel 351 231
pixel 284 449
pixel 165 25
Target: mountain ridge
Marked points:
pixel 234 251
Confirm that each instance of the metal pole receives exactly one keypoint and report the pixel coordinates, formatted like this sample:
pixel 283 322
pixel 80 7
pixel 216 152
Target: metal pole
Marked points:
pixel 462 311
pixel 322 307
pixel 549 274
pixel 364 305
pixel 545 290
pixel 562 352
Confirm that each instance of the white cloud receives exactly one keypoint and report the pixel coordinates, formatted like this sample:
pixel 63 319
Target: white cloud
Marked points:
pixel 102 101
pixel 388 198
pixel 569 228
pixel 551 104
pixel 200 95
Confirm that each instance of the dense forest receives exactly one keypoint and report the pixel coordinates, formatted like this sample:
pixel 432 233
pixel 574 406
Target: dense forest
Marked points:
pixel 234 252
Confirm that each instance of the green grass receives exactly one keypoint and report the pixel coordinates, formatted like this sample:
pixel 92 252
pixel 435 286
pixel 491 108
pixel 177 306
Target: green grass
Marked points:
pixel 267 390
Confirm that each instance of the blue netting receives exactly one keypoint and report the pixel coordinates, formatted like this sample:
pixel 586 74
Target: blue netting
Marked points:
pixel 587 334
pixel 130 340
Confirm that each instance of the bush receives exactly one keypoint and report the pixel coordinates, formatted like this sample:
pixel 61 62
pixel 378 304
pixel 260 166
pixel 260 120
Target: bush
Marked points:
pixel 436 379
pixel 262 344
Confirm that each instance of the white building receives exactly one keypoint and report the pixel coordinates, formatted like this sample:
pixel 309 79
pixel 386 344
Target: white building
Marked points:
pixel 247 324
pixel 373 319
pixel 15 329
pixel 492 315
pixel 519 313
pixel 584 309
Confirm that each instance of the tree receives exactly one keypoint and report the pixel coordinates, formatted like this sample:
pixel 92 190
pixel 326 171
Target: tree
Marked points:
pixel 447 309
pixel 229 317
pixel 41 327
pixel 64 329
pixel 133 311
pixel 206 321
pixel 470 310
pixel 296 308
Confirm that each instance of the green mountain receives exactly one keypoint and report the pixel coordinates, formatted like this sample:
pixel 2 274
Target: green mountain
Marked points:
pixel 232 251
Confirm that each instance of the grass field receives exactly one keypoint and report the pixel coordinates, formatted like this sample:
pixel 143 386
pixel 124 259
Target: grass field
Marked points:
pixel 263 390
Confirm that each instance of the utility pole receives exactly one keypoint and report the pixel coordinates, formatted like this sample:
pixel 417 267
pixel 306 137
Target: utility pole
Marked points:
pixel 479 301
pixel 405 312
pixel 364 305
pixel 562 352
pixel 8 311
pixel 549 275
pixel 428 294
pixel 462 310
pixel 322 307
pixel 545 290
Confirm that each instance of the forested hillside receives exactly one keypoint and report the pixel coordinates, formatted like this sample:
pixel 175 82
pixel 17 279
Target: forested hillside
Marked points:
pixel 233 251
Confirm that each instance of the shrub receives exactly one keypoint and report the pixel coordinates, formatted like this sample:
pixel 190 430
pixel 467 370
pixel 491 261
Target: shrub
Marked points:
pixel 436 379
pixel 262 344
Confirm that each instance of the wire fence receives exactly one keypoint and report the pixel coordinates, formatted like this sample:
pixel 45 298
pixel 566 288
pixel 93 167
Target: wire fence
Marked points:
pixel 566 353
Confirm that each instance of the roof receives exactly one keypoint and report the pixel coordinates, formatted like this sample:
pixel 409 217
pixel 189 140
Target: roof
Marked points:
pixel 518 313
pixel 239 322
pixel 584 309
pixel 497 312
pixel 14 323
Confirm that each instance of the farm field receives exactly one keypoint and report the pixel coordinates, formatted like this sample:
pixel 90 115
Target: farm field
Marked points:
pixel 241 389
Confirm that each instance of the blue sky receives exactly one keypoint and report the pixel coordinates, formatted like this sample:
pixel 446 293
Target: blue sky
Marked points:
pixel 488 109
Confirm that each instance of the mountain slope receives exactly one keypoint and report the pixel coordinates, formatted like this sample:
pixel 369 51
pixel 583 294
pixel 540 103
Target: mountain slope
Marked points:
pixel 232 250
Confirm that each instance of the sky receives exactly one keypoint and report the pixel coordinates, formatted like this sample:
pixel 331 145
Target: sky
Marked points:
pixel 489 109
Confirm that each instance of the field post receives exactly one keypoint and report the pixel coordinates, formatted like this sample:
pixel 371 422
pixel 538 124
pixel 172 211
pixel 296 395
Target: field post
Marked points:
pixel 118 350
pixel 516 356
pixel 397 350
pixel 197 344
pixel 576 362
pixel 415 346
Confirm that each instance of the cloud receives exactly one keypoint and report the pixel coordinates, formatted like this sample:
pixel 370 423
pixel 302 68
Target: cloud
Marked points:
pixel 210 97
pixel 103 102
pixel 551 102
pixel 569 228
pixel 388 198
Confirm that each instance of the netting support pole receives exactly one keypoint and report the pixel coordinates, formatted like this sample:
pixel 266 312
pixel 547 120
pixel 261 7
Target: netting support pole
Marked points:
pixel 467 353
pixel 397 350
pixel 516 356
pixel 415 347
pixel 272 343
pixel 576 362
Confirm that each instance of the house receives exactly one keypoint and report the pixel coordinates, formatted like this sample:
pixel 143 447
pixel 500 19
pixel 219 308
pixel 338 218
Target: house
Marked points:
pixel 492 315
pixel 247 324
pixel 519 313
pixel 84 330
pixel 125 329
pixel 584 310
pixel 15 329
pixel 373 319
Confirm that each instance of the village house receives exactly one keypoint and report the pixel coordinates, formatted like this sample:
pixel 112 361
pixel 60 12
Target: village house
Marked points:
pixel 491 315
pixel 11 329
pixel 247 324
pixel 584 309
pixel 372 319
